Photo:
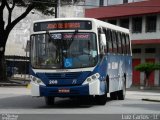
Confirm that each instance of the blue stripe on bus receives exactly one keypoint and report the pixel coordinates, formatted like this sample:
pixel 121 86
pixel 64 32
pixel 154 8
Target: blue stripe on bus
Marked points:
pixel 74 91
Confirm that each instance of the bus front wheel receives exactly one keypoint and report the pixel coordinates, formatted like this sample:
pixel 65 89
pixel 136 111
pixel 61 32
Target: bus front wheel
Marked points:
pixel 101 99
pixel 49 100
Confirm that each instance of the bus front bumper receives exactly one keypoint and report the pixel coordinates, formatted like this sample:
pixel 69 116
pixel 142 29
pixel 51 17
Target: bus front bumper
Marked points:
pixel 66 91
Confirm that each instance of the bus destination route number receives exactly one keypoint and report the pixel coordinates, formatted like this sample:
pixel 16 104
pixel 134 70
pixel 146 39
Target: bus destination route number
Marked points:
pixel 62 25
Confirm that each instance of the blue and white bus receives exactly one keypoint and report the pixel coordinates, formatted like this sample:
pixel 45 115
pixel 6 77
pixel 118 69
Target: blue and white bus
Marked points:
pixel 74 57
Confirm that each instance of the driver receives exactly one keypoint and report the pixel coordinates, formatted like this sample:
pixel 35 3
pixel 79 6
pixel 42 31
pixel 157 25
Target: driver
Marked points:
pixel 88 49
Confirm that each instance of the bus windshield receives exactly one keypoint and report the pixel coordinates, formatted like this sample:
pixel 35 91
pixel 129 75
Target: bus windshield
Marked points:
pixel 64 50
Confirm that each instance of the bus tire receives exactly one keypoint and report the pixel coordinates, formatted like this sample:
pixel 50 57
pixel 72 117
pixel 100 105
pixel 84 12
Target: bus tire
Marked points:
pixel 101 99
pixel 122 93
pixel 49 100
pixel 113 95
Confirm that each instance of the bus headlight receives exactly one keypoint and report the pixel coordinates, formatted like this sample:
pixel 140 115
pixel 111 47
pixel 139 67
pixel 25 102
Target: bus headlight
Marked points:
pixel 91 78
pixel 37 81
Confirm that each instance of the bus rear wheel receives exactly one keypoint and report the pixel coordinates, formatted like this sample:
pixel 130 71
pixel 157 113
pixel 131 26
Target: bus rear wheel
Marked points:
pixel 122 93
pixel 49 100
pixel 113 95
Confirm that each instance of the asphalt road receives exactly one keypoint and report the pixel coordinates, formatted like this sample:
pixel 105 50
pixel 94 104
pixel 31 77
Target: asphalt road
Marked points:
pixel 17 100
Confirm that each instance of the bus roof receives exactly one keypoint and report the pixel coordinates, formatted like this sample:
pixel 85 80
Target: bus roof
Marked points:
pixel 98 23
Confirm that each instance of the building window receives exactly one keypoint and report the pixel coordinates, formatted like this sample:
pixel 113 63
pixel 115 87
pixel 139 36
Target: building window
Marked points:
pixel 101 2
pixel 150 50
pixel 151 23
pixel 136 50
pixel 137 25
pixel 124 23
pixel 125 1
pixel 114 22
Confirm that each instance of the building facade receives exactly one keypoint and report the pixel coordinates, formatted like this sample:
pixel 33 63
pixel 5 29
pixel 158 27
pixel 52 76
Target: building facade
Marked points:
pixel 143 21
pixel 97 3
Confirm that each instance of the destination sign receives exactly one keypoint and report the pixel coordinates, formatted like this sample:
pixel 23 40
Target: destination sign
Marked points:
pixel 77 36
pixel 62 25
pixel 68 36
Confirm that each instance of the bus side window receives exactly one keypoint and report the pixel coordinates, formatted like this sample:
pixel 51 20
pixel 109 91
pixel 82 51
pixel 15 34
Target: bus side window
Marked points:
pixel 101 46
pixel 110 41
pixel 107 40
pixel 116 36
pixel 128 44
pixel 119 43
pixel 123 43
pixel 106 47
pixel 114 42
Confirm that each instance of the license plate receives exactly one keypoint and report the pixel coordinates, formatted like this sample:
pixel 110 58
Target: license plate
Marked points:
pixel 64 90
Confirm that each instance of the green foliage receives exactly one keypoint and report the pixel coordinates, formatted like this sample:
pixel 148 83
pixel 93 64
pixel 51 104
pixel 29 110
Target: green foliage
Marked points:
pixel 44 6
pixel 148 67
pixel 47 6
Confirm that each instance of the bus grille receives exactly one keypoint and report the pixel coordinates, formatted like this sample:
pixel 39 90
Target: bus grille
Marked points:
pixel 62 76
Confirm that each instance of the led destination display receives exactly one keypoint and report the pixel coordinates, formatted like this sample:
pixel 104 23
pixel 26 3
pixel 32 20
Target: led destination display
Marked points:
pixel 62 25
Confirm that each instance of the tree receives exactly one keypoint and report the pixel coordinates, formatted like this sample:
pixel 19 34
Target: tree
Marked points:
pixel 147 68
pixel 46 7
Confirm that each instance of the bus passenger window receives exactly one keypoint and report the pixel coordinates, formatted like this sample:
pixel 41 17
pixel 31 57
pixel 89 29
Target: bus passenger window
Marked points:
pixel 124 44
pixel 101 45
pixel 109 41
pixel 119 42
pixel 114 42
pixel 106 47
pixel 128 44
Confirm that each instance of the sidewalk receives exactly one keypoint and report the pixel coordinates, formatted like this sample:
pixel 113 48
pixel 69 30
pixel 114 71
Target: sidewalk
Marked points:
pixel 17 80
pixel 146 94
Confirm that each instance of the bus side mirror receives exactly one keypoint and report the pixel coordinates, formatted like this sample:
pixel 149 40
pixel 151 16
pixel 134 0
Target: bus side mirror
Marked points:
pixel 103 39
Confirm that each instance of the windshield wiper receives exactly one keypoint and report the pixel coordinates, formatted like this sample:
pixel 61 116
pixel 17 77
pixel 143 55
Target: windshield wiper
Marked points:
pixel 69 42
pixel 50 38
pixel 56 42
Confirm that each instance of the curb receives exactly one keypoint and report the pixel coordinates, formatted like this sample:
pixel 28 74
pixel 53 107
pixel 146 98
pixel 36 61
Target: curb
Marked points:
pixel 151 100
pixel 11 84
pixel 142 88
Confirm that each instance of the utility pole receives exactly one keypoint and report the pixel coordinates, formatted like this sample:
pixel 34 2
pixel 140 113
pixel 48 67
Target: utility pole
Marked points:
pixel 57 9
pixel 107 3
pixel 56 5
